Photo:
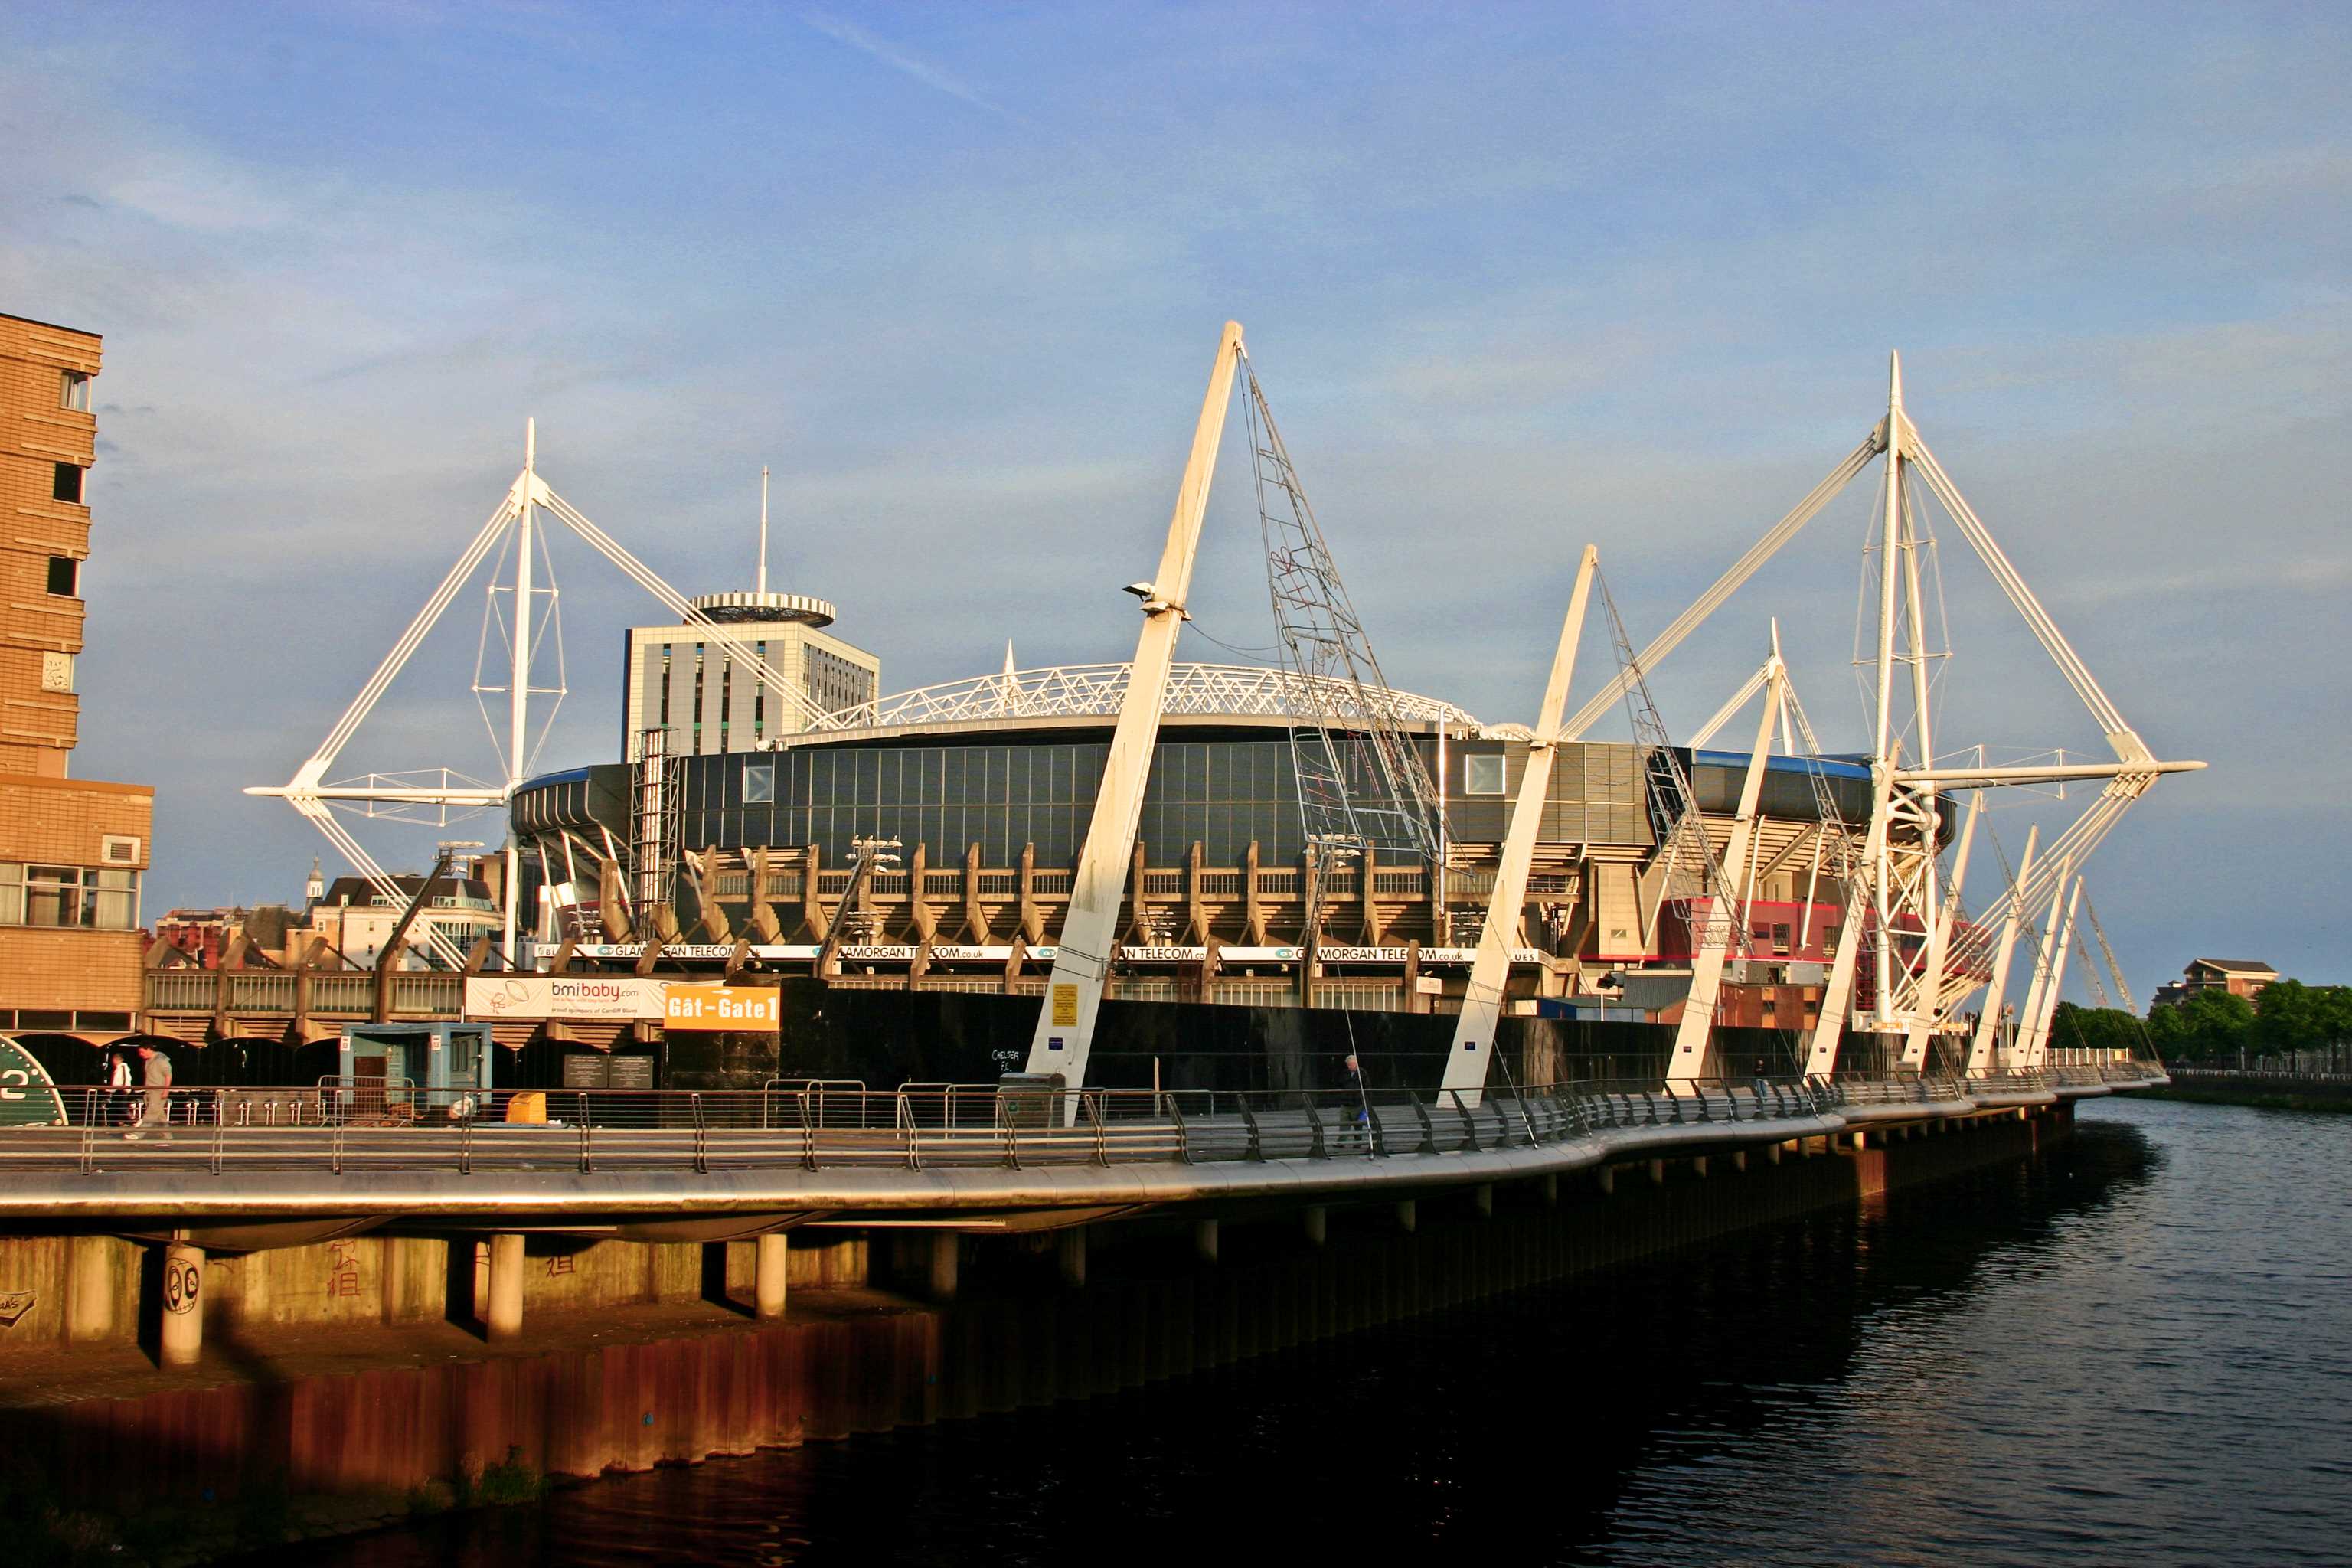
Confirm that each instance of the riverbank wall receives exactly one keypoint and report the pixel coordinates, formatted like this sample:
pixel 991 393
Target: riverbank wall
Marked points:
pixel 1155 1305
pixel 2263 1091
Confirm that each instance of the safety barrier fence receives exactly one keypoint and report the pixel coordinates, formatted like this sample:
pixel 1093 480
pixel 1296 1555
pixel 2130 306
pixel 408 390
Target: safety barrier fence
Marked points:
pixel 374 1123
pixel 2283 1076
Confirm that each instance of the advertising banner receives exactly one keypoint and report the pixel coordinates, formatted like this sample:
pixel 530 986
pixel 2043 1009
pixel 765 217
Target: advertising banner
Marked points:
pixel 619 998
pixel 721 1007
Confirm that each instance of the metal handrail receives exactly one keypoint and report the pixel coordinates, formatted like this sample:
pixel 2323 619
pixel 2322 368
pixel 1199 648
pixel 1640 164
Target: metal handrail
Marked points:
pixel 370 1125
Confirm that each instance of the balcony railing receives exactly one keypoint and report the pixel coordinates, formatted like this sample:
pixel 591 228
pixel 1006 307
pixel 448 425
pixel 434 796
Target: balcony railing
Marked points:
pixel 415 993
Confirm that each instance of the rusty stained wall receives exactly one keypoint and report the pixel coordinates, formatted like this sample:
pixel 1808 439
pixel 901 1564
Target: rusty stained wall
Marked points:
pixel 587 1409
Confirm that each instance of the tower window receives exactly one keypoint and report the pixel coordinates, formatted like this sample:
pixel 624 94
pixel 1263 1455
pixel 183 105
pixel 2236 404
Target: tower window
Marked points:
pixel 66 486
pixel 73 390
pixel 1482 774
pixel 65 577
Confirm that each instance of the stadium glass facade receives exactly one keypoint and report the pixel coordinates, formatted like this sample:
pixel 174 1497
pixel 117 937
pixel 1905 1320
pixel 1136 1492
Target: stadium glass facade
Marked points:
pixel 1223 793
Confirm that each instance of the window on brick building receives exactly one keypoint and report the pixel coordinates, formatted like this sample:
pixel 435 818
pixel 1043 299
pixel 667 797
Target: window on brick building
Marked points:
pixel 73 390
pixel 116 899
pixel 55 896
pixel 66 486
pixel 69 895
pixel 65 575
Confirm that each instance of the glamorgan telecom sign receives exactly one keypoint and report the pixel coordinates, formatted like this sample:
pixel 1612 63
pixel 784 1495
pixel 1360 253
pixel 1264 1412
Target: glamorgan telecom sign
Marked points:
pixel 619 998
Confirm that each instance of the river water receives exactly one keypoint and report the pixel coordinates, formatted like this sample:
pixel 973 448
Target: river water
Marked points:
pixel 2138 1349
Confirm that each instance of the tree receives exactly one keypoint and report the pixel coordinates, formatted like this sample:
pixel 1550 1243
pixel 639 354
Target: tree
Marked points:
pixel 2292 1016
pixel 2095 1028
pixel 2209 1025
pixel 2287 1017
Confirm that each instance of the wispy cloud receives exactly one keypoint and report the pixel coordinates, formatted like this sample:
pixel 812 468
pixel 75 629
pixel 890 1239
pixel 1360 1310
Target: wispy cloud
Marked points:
pixel 1514 285
pixel 857 38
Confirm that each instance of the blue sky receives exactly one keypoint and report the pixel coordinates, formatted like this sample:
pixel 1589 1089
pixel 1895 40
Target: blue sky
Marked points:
pixel 1514 278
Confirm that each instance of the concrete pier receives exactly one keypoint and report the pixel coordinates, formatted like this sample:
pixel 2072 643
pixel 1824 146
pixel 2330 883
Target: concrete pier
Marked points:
pixel 94 1288
pixel 1070 1255
pixel 182 1285
pixel 502 1314
pixel 772 1274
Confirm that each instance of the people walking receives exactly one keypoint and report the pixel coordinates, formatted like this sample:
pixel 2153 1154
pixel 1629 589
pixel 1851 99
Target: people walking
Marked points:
pixel 156 1077
pixel 118 1086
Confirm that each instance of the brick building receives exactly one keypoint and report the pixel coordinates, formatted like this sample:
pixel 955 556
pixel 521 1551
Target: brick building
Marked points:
pixel 2239 976
pixel 72 851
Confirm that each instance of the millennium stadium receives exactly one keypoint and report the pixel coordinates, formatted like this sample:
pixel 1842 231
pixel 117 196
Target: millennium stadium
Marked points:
pixel 1151 872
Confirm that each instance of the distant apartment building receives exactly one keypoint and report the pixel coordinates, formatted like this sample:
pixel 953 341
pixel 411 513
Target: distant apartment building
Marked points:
pixel 693 681
pixel 230 934
pixel 271 934
pixel 2239 976
pixel 356 922
pixel 72 851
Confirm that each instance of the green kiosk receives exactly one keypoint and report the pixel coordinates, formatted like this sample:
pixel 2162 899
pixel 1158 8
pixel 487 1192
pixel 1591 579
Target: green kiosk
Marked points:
pixel 410 1071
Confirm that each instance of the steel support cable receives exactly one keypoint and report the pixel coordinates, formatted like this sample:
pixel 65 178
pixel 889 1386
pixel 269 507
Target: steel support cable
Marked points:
pixel 377 877
pixel 321 816
pixel 1677 822
pixel 459 574
pixel 551 623
pixel 1707 603
pixel 671 599
pixel 2080 837
pixel 1318 630
pixel 2122 986
pixel 2070 664
pixel 643 576
pixel 1966 953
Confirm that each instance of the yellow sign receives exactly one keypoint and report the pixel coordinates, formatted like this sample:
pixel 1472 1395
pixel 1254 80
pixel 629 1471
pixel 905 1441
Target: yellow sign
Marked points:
pixel 1065 1006
pixel 721 1007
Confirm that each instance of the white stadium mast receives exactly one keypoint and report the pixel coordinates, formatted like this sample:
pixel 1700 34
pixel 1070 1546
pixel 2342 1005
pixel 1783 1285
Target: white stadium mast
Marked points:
pixel 1896 876
pixel 513 527
pixel 1361 779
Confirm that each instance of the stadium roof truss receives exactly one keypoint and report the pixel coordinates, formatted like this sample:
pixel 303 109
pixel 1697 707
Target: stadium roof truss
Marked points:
pixel 1097 690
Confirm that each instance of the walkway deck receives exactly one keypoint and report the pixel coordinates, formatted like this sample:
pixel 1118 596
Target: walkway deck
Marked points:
pixel 980 1154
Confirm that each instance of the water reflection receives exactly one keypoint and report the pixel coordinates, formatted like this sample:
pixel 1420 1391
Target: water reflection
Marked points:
pixel 2123 1350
